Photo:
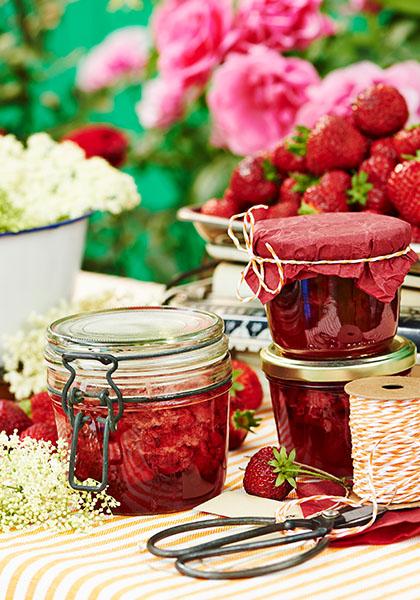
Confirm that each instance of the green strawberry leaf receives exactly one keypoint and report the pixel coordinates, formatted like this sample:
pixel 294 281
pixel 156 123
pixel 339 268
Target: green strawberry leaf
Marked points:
pixel 236 386
pixel 306 209
pixel 269 170
pixel 360 188
pixel 287 469
pixel 245 419
pixel 280 479
pixel 303 181
pixel 412 156
pixel 297 143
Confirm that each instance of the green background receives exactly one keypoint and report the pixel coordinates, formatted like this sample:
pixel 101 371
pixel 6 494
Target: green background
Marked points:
pixel 178 167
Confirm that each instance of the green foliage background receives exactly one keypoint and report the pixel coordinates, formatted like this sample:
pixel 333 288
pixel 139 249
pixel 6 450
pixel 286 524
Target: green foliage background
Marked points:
pixel 41 42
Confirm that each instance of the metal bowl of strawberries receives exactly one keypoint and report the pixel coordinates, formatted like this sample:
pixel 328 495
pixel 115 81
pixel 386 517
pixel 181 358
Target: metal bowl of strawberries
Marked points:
pixel 368 160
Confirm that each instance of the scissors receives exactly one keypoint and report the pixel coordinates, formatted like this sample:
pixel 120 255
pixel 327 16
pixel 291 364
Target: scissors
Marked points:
pixel 315 528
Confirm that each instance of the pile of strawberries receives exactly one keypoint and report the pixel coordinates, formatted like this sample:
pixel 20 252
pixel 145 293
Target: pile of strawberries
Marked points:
pixel 364 162
pixel 246 396
pixel 40 426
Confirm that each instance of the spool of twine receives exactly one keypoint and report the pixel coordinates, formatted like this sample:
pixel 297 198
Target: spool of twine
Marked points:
pixel 385 433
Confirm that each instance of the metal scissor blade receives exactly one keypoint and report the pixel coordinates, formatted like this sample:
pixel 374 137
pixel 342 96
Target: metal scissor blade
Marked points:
pixel 353 517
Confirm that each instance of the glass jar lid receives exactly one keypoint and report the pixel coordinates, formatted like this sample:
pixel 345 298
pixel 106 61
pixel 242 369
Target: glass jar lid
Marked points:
pixel 146 331
pixel 400 358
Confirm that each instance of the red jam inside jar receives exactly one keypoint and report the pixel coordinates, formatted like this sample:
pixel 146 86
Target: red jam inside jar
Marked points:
pixel 329 317
pixel 310 405
pixel 168 451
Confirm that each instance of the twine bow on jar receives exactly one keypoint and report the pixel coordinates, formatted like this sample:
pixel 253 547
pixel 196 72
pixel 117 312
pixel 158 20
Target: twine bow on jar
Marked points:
pixel 257 263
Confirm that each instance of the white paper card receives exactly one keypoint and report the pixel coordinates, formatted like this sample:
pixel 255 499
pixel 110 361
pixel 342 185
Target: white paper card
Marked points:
pixel 237 503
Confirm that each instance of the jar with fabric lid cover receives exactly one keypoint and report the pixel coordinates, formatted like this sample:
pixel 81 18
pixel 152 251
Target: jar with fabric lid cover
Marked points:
pixel 330 282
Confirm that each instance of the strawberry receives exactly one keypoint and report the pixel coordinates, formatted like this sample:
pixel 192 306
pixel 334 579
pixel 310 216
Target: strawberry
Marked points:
pixel 283 209
pixel 288 192
pixel 290 155
pixel 293 187
pixel 328 195
pixel 241 422
pixel 224 207
pixel 254 181
pixel 271 473
pixel 12 417
pixel 372 197
pixel 41 408
pixel 384 146
pixel 378 168
pixel 41 431
pixel 380 110
pixel 403 189
pixel 407 141
pixel 415 234
pixel 334 143
pixel 378 202
pixel 246 392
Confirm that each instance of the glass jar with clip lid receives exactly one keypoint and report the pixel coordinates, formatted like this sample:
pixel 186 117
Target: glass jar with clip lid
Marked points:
pixel 142 396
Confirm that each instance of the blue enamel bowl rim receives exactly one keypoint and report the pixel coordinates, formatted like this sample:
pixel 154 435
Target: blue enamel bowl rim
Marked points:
pixel 45 227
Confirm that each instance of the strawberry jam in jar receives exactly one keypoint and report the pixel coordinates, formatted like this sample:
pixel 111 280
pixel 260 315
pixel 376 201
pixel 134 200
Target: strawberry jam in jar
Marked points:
pixel 310 405
pixel 142 397
pixel 330 282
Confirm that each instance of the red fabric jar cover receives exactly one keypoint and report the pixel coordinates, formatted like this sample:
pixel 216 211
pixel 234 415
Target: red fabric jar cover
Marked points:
pixel 393 526
pixel 334 236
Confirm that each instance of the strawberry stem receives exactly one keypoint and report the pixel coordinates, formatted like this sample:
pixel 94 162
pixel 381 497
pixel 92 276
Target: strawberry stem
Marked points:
pixel 320 474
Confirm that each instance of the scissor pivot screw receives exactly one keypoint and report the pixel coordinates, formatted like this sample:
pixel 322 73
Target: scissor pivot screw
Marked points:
pixel 330 513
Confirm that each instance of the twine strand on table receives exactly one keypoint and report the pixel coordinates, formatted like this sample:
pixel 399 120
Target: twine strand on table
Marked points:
pixel 256 263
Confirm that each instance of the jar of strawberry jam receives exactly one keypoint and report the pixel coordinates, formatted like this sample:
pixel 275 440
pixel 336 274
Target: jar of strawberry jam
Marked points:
pixel 142 396
pixel 310 405
pixel 330 282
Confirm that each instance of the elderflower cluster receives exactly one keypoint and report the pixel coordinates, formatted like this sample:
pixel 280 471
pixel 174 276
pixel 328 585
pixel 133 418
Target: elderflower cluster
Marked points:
pixel 47 182
pixel 34 489
pixel 23 357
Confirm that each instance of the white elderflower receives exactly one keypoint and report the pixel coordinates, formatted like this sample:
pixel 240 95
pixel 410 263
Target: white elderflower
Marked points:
pixel 23 357
pixel 47 182
pixel 35 493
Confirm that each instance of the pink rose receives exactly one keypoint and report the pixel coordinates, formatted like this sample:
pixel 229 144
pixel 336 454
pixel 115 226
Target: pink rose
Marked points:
pixel 281 24
pixel 335 93
pixel 192 37
pixel 254 98
pixel 162 103
pixel 123 53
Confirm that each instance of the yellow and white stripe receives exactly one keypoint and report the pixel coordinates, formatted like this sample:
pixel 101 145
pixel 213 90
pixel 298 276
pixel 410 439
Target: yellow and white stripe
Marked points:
pixel 112 564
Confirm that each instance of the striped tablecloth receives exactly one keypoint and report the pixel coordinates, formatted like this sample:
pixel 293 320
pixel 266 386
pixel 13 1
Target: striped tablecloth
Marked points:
pixel 111 563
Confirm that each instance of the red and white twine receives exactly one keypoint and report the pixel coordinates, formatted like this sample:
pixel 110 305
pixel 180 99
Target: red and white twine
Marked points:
pixel 386 449
pixel 386 458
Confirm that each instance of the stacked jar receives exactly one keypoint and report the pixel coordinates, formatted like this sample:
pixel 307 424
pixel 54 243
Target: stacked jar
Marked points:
pixel 330 284
pixel 142 396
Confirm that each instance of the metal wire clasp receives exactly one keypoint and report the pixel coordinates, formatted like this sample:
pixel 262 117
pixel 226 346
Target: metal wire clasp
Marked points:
pixel 71 396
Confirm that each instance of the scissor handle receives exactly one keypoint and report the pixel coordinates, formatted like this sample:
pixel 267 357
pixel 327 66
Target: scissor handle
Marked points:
pixel 316 529
pixel 182 566
pixel 208 524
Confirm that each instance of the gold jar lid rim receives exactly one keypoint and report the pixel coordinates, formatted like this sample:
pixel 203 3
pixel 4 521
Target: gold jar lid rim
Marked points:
pixel 401 357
